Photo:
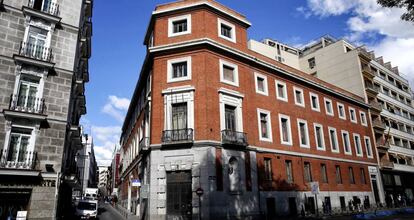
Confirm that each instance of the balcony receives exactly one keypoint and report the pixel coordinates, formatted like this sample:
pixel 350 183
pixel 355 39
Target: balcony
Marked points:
pixel 387 164
pixel 35 55
pixel 144 145
pixel 20 160
pixel 26 107
pixel 371 89
pixel 375 106
pixel 379 125
pixel 46 10
pixel 382 145
pixel 366 70
pixel 364 54
pixel 233 138
pixel 180 136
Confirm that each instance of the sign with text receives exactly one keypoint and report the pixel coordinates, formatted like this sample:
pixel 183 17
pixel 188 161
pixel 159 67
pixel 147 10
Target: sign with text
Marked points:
pixel 136 182
pixel 314 187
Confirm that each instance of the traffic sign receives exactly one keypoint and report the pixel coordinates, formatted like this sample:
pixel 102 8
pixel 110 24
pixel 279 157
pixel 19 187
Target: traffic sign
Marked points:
pixel 314 187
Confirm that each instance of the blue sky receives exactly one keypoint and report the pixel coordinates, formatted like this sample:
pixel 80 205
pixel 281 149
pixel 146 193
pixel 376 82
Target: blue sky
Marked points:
pixel 118 52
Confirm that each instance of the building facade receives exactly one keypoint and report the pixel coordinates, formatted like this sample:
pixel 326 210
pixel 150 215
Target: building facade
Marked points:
pixel 87 166
pixel 249 134
pixel 42 46
pixel 384 88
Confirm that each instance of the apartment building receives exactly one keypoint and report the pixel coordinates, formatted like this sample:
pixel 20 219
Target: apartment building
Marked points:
pixel 44 50
pixel 87 166
pixel 383 88
pixel 216 130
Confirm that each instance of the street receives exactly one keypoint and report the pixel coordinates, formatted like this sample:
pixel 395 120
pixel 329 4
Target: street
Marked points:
pixel 107 212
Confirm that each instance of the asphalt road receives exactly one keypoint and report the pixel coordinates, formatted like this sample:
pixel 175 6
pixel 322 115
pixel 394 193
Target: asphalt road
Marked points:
pixel 107 212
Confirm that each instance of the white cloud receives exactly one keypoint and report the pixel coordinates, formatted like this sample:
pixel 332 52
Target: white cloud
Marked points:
pixel 367 21
pixel 105 140
pixel 116 107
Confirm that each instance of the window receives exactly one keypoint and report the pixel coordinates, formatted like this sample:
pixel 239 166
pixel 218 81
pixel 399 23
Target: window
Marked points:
pixel 397 180
pixel 265 131
pixel 28 93
pixel 178 113
pixel 299 99
pixel 341 111
pixel 314 102
pixel 179 25
pixel 261 83
pixel 303 133
pixel 226 30
pixel 37 41
pixel 357 142
pixel 333 140
pixel 179 116
pixel 352 115
pixel 230 117
pixel 351 175
pixel 229 73
pixel 363 118
pixel 307 172
pixel 268 168
pixel 20 148
pixel 289 171
pixel 281 91
pixel 285 131
pixel 311 63
pixel 368 147
pixel 179 69
pixel 363 179
pixel 346 142
pixel 319 137
pixel 324 174
pixel 230 111
pixel 328 107
pixel 338 174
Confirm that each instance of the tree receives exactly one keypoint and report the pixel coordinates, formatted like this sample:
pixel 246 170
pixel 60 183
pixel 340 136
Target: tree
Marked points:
pixel 409 4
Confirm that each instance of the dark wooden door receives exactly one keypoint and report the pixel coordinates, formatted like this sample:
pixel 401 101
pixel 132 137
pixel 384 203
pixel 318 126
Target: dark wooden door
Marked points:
pixel 179 195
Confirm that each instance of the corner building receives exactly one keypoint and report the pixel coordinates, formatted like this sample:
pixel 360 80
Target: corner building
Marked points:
pixel 251 132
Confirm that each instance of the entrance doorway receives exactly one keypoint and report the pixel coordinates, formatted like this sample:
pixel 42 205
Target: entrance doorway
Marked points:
pixel 179 195
pixel 271 208
pixel 293 209
pixel 12 201
pixel 375 188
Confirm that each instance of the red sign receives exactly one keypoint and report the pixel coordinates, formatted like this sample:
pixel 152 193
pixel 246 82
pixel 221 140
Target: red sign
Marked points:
pixel 199 192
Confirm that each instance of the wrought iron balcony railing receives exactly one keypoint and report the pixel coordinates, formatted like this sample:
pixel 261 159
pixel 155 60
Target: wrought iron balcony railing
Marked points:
pixel 36 52
pixel 177 136
pixel 144 144
pixel 234 138
pixel 18 159
pixel 45 6
pixel 27 104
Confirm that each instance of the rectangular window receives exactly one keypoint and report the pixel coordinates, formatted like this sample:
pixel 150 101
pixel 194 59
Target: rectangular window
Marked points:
pixel 351 175
pixel 289 171
pixel 363 179
pixel 303 133
pixel 179 116
pixel 299 99
pixel 333 140
pixel 27 97
pixel 281 91
pixel 311 63
pixel 314 102
pixel 328 107
pixel 268 168
pixel 230 117
pixel 36 43
pixel 352 115
pixel 307 172
pixel 229 73
pixel 261 84
pixel 363 117
pixel 226 30
pixel 285 131
pixel 346 143
pixel 358 148
pixel 179 69
pixel 319 137
pixel 338 174
pixel 368 147
pixel 19 146
pixel 341 111
pixel 324 173
pixel 179 25
pixel 265 132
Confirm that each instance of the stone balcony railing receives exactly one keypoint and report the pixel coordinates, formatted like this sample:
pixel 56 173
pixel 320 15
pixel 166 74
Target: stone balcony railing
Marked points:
pixel 229 137
pixel 25 160
pixel 36 52
pixel 27 104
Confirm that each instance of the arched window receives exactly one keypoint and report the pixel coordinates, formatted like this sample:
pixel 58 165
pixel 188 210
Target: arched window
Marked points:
pixel 234 174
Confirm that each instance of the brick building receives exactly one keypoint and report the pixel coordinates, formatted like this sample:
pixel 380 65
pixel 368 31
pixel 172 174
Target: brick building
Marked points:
pixel 251 132
pixel 44 52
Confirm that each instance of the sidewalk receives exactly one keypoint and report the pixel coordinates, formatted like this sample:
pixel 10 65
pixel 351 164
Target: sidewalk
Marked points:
pixel 125 213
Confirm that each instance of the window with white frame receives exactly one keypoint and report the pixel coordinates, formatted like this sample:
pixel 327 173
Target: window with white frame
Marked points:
pixel 37 42
pixel 314 100
pixel 179 109
pixel 179 25
pixel 226 30
pixel 341 111
pixel 363 117
pixel 281 90
pixel 261 83
pixel 346 143
pixel 358 148
pixel 28 93
pixel 333 140
pixel 231 112
pixel 179 69
pixel 265 129
pixel 319 137
pixel 20 146
pixel 352 115
pixel 368 147
pixel 285 130
pixel 329 107
pixel 299 98
pixel 229 73
pixel 303 133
